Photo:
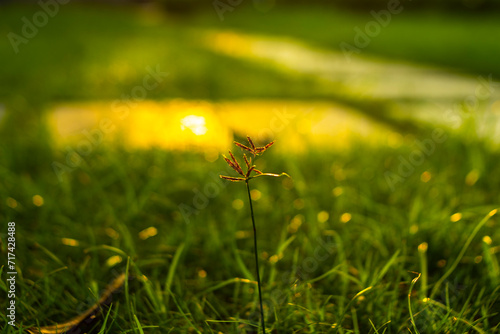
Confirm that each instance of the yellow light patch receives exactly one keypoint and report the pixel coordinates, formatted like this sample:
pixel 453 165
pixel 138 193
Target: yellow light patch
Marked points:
pixel 238 204
pixel 148 233
pixel 487 240
pixel 202 273
pixel 425 177
pixel 114 260
pixel 345 218
pixel 70 242
pixel 323 217
pixel 255 194
pixel 455 217
pixel 11 203
pixel 492 212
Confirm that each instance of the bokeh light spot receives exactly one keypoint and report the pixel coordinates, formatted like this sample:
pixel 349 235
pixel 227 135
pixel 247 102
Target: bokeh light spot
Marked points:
pixel 425 177
pixel 337 191
pixel 345 218
pixel 38 200
pixel 238 204
pixel 323 216
pixel 148 233
pixel 455 217
pixel 255 194
pixel 70 242
pixel 422 248
pixel 114 260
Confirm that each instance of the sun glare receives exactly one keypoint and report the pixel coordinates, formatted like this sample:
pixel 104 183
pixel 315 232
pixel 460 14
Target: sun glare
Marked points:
pixel 196 124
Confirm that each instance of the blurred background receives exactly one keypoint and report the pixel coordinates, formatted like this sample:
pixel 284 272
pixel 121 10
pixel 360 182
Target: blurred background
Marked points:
pixel 114 114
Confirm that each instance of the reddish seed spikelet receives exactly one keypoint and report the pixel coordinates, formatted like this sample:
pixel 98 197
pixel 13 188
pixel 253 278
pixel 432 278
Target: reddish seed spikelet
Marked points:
pixel 247 162
pixel 251 142
pixel 234 164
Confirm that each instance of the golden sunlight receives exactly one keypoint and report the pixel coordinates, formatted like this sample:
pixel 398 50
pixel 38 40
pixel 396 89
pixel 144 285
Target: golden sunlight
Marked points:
pixel 179 124
pixel 194 123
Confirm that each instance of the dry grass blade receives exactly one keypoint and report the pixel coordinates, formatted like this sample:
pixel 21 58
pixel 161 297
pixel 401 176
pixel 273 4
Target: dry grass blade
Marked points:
pixel 76 324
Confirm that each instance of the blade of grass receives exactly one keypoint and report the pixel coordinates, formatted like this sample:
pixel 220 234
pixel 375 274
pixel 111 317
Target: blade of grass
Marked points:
pixel 413 282
pixel 171 272
pixel 139 327
pixel 462 252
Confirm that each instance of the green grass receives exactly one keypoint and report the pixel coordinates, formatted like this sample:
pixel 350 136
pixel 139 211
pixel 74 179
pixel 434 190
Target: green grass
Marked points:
pixel 462 42
pixel 103 59
pixel 355 275
pixel 329 277
pixel 87 53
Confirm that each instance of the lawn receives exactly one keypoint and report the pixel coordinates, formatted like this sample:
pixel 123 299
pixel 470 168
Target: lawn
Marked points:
pixel 341 243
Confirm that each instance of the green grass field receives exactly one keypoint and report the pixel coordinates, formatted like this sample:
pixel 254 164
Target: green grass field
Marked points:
pixel 339 243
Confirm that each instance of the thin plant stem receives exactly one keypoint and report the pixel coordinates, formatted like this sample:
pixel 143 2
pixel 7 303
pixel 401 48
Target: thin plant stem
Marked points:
pixel 256 259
